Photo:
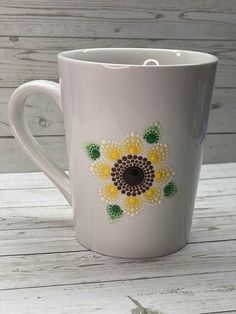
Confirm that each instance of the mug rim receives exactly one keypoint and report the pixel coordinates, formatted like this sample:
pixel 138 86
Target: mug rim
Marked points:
pixel 66 56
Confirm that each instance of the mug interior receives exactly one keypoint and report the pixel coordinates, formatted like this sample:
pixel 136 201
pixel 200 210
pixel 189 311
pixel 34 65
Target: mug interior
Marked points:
pixel 138 56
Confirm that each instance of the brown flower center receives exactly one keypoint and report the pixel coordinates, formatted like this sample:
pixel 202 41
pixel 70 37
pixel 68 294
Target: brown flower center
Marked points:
pixel 132 174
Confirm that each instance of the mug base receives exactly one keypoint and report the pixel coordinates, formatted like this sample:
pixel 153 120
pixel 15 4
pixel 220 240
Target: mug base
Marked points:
pixel 154 254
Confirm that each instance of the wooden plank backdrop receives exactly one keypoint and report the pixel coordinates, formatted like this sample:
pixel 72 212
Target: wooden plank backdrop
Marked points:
pixel 43 269
pixel 33 32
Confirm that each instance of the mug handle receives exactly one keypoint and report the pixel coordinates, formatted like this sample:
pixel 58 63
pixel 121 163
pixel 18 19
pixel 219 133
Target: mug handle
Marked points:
pixel 25 138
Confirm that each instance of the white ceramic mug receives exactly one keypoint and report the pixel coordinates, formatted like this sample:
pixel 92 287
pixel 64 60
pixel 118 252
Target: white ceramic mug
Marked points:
pixel 135 122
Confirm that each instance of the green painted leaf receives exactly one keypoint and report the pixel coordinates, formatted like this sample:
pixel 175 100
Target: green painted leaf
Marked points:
pixel 114 211
pixel 93 151
pixel 152 134
pixel 170 189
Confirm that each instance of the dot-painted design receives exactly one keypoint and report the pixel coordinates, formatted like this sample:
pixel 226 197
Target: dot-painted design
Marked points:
pixel 132 175
pixel 170 189
pixel 111 150
pixel 163 174
pixel 93 151
pixel 133 144
pixel 109 193
pixel 115 211
pixel 152 133
pixel 157 153
pixel 153 196
pixel 134 172
pixel 132 205
pixel 101 170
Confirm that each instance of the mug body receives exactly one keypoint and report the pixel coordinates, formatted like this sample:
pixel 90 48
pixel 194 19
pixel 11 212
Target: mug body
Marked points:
pixel 135 136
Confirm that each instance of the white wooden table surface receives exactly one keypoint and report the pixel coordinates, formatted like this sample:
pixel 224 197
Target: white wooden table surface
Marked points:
pixel 44 270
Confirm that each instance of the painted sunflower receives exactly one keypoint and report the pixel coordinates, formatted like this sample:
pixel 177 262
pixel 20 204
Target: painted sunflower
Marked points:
pixel 132 173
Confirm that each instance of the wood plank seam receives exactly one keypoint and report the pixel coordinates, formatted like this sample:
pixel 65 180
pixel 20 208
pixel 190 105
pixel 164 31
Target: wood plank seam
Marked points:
pixel 116 280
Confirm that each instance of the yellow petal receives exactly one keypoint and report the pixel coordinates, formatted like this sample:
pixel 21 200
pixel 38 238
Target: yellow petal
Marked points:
pixel 158 153
pixel 133 144
pixel 132 205
pixel 109 193
pixel 111 150
pixel 101 170
pixel 153 196
pixel 163 174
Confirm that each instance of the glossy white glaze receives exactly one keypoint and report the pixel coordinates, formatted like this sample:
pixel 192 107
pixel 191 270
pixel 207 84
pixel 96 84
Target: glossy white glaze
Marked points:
pixel 107 99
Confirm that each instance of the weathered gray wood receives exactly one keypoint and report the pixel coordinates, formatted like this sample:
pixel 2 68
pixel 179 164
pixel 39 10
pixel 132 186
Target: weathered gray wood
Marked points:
pixel 206 294
pixel 215 171
pixel 213 224
pixel 30 231
pixel 25 197
pixel 209 5
pixel 14 181
pixel 126 19
pixel 35 180
pixel 85 266
pixel 199 279
pixel 51 196
pixel 41 113
pixel 33 197
pixel 12 158
pixel 27 58
pixel 44 269
pixel 38 180
pixel 32 33
pixel 212 187
pixel 35 217
pixel 215 201
pixel 35 241
pixel 44 118
pixel 223 111
pixel 218 148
